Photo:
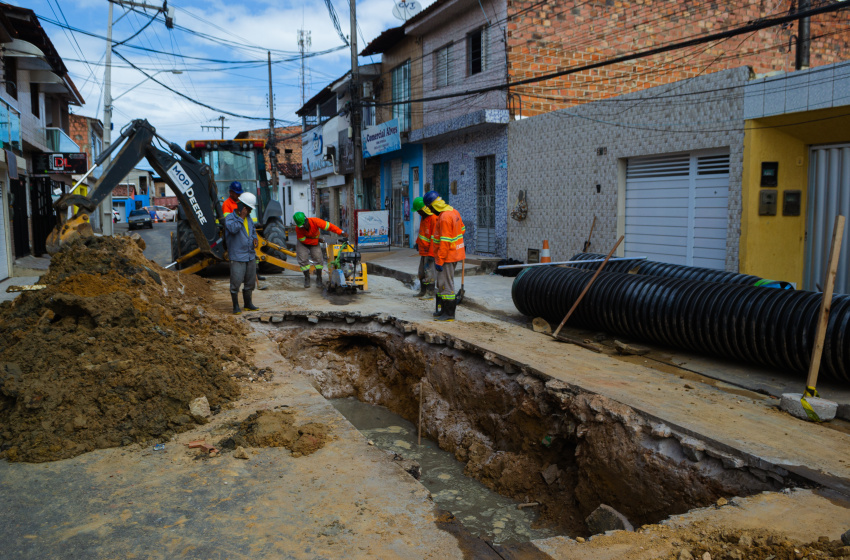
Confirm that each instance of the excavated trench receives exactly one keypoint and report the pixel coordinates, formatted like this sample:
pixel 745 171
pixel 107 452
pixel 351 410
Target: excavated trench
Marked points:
pixel 521 433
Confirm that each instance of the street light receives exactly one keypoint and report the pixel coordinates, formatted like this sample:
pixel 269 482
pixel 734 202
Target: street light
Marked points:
pixel 145 80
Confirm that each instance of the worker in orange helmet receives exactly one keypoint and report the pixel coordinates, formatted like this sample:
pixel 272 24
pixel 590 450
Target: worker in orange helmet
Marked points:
pixel 448 249
pixel 308 231
pixel 423 244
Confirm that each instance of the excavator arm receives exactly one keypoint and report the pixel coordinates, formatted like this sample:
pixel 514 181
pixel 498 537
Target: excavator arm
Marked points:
pixel 191 181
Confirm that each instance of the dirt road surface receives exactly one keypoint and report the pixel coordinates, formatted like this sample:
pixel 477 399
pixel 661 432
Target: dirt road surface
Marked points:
pixel 349 499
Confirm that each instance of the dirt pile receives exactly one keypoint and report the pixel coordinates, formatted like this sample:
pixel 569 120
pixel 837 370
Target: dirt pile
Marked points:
pixel 277 428
pixel 110 353
pixel 725 544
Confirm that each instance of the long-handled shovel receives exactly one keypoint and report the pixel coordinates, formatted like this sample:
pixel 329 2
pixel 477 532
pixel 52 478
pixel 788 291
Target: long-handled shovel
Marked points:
pixel 459 296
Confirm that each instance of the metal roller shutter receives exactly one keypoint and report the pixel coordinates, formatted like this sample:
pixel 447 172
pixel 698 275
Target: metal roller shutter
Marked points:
pixel 677 208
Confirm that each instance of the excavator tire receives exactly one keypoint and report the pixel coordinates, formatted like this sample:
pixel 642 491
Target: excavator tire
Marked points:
pixel 184 239
pixel 273 232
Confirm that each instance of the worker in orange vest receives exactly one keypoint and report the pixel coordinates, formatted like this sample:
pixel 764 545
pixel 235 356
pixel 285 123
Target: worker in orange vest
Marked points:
pixel 448 250
pixel 308 231
pixel 229 205
pixel 423 244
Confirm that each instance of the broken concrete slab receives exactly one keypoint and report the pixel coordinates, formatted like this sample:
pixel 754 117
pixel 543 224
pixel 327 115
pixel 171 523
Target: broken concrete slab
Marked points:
pixel 551 474
pixel 627 349
pixel 791 403
pixel 605 518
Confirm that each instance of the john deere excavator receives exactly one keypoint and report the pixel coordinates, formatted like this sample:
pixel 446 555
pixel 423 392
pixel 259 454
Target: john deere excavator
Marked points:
pixel 194 184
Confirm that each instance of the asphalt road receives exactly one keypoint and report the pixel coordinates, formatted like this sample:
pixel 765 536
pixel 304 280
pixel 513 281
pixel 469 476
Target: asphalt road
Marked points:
pixel 158 240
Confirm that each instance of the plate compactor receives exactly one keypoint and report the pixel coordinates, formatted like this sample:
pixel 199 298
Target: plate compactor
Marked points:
pixel 346 273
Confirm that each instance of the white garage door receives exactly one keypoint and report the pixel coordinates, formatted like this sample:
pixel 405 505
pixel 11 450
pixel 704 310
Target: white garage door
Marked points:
pixel 677 208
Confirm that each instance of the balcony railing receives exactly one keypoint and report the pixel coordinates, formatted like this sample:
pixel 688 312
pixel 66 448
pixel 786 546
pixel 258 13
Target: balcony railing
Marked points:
pixel 58 141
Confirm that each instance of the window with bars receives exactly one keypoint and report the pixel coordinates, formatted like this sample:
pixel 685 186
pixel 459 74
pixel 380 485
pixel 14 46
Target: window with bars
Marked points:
pixel 476 50
pixel 442 66
pixel 401 92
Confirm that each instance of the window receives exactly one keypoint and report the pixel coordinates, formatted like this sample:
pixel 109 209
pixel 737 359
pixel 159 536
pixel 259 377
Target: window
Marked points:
pixel 442 66
pixel 35 102
pixel 401 92
pixel 10 75
pixel 327 110
pixel 477 51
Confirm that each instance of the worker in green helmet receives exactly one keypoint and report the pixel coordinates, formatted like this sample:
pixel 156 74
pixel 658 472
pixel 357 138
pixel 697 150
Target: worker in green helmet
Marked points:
pixel 423 244
pixel 308 231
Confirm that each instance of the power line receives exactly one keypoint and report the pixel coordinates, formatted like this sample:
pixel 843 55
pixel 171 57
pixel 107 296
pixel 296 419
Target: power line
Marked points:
pixel 195 101
pixel 757 25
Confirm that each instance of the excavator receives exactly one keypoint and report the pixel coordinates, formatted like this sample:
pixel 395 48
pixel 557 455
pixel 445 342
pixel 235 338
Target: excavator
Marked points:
pixel 200 239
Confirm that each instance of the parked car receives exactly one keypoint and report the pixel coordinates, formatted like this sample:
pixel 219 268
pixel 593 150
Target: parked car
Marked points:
pixel 165 214
pixel 116 217
pixel 139 218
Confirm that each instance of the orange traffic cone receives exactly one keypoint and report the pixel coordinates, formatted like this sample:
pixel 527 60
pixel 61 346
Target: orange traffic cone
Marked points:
pixel 544 254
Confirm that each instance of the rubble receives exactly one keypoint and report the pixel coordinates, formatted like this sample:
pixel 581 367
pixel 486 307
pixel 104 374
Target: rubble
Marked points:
pixel 98 360
pixel 605 518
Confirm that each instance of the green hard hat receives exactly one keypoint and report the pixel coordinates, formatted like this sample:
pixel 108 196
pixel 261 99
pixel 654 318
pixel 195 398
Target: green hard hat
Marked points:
pixel 418 204
pixel 299 218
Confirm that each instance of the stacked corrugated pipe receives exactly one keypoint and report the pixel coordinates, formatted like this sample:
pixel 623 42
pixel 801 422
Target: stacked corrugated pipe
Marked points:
pixel 765 326
pixel 653 268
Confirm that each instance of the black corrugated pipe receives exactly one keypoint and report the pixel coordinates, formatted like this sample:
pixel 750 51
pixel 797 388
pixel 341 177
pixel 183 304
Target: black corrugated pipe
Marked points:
pixel 764 326
pixel 654 268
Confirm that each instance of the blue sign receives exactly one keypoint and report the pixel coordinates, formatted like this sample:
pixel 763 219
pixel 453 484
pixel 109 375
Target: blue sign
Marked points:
pixel 381 139
pixel 317 144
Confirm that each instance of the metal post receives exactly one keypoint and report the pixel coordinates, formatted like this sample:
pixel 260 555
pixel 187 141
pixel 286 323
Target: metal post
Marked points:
pixel 355 116
pixel 107 117
pixel 804 37
pixel 272 147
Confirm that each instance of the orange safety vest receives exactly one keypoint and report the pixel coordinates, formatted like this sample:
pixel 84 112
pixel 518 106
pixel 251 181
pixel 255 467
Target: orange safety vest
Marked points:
pixel 228 206
pixel 315 226
pixel 426 229
pixel 447 239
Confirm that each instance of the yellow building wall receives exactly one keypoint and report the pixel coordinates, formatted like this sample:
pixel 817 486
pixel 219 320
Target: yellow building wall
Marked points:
pixel 775 246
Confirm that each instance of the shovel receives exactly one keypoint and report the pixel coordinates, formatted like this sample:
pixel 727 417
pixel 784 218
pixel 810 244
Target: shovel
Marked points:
pixel 459 296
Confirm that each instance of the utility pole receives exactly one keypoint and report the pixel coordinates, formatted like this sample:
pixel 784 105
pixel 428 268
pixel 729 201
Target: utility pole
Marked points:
pixel 356 117
pixel 304 43
pixel 216 127
pixel 804 37
pixel 272 146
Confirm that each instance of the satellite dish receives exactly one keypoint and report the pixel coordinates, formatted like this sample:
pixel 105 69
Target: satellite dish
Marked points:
pixel 406 9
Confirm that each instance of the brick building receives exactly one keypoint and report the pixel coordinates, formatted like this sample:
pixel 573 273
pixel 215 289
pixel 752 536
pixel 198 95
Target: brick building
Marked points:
pixel 469 45
pixel 547 37
pixel 287 143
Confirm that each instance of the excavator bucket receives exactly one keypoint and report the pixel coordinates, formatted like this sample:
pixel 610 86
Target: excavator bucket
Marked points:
pixel 77 227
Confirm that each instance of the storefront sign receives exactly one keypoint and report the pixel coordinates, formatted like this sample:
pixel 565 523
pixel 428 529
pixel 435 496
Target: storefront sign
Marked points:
pixel 313 144
pixel 67 163
pixel 373 228
pixel 381 139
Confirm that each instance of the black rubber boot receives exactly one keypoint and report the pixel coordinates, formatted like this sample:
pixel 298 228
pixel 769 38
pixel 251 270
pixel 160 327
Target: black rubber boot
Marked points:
pixel 306 278
pixel 260 277
pixel 423 287
pixel 319 282
pixel 429 292
pixel 449 306
pixel 246 297
pixel 438 306
pixel 235 298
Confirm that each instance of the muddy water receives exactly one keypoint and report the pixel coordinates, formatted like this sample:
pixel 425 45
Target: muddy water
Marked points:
pixel 483 512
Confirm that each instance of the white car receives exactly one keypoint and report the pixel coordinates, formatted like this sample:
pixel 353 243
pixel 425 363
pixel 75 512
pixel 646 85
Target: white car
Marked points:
pixel 165 214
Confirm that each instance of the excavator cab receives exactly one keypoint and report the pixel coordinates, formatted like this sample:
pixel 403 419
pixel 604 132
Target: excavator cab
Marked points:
pixel 240 160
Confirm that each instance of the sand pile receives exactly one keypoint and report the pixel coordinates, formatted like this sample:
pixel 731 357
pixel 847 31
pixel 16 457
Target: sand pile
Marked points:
pixel 110 353
pixel 277 428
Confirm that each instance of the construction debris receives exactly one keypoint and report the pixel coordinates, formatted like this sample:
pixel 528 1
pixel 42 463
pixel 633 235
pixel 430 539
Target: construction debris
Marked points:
pixel 97 360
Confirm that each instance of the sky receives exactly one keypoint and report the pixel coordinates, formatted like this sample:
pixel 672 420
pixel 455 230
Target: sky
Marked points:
pixel 242 33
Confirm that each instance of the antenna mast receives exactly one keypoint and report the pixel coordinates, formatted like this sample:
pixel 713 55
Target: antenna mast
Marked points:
pixel 304 44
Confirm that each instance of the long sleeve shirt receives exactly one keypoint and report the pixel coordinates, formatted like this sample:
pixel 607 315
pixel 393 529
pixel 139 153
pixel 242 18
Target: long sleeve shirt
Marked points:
pixel 240 235
pixel 313 228
pixel 426 228
pixel 447 244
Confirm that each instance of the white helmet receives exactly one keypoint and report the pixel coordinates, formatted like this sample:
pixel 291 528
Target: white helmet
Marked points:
pixel 248 200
